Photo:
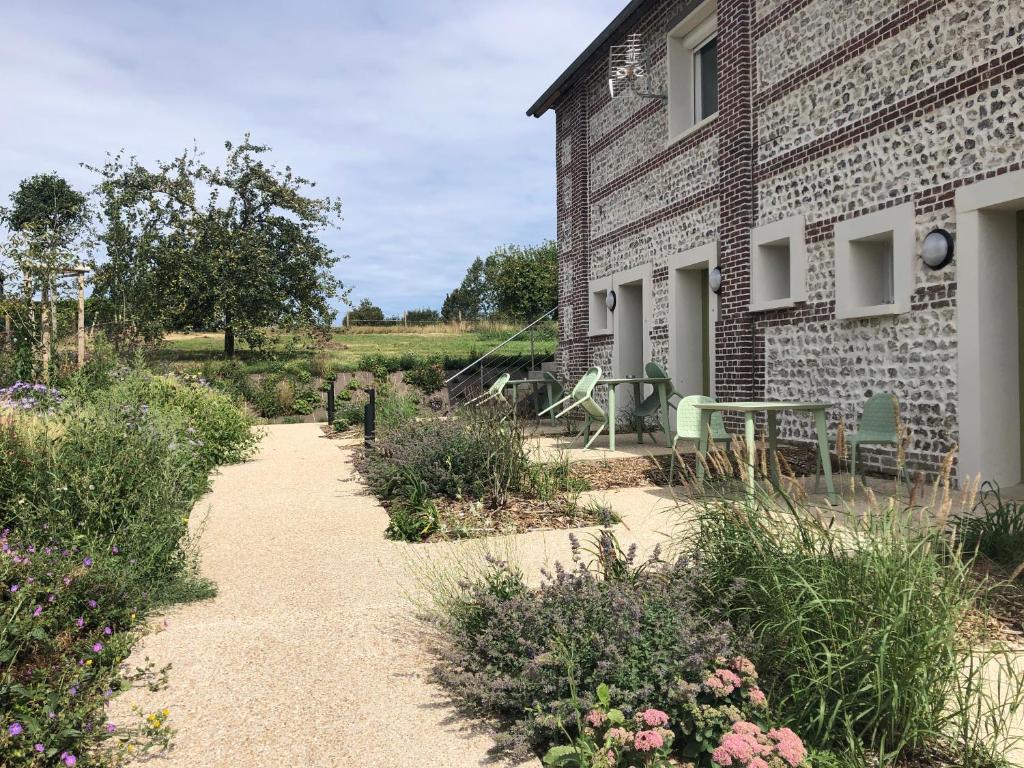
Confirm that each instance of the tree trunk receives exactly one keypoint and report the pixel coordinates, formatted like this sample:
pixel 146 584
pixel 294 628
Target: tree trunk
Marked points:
pixel 229 342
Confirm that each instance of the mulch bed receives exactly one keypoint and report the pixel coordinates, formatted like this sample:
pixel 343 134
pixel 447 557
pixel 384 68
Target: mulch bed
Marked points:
pixel 468 519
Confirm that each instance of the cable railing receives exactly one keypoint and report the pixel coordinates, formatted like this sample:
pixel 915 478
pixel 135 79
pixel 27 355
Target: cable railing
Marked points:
pixel 486 369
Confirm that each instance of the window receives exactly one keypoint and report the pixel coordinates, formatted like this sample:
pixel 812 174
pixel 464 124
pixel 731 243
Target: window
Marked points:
pixel 600 316
pixel 705 79
pixel 693 70
pixel 778 265
pixel 874 263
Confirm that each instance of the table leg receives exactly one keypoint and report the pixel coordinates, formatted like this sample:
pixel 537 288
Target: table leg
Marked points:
pixel 639 422
pixel 751 452
pixel 826 461
pixel 611 417
pixel 702 443
pixel 773 449
pixel 551 400
pixel 663 394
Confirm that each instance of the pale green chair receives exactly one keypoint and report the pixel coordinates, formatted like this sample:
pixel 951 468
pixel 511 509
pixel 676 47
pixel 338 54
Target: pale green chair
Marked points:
pixel 553 392
pixel 651 404
pixel 688 426
pixel 879 424
pixel 581 397
pixel 495 392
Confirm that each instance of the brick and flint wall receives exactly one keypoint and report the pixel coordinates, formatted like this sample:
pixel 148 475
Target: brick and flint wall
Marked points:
pixel 827 108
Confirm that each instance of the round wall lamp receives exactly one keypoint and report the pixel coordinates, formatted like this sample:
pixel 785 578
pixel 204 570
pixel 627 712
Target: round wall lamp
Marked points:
pixel 715 280
pixel 609 301
pixel 937 249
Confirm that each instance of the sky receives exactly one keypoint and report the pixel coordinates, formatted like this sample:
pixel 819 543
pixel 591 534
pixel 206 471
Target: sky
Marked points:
pixel 412 113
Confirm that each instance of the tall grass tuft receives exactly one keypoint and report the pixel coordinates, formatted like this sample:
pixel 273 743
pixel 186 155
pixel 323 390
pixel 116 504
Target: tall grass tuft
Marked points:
pixel 870 631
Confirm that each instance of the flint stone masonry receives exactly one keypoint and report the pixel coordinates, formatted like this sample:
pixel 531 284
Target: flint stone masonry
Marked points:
pixel 689 174
pixel 828 109
pixel 981 133
pixel 947 43
pixel 813 32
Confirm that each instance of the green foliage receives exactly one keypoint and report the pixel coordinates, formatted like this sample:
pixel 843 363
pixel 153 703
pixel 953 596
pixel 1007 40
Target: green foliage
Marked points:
pixel 514 282
pixel 94 506
pixel 46 202
pixel 236 248
pixel 425 315
pixel 866 633
pixel 995 528
pixel 365 312
pixel 428 377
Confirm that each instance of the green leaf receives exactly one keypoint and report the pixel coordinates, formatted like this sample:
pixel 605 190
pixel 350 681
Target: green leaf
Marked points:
pixel 562 755
pixel 604 696
pixel 616 716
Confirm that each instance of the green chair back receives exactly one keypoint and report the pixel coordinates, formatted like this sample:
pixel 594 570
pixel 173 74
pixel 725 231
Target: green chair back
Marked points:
pixel 688 419
pixel 499 385
pixel 653 371
pixel 585 386
pixel 880 419
pixel 557 390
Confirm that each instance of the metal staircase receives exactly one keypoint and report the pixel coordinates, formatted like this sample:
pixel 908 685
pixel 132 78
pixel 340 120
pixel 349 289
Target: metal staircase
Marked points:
pixel 485 370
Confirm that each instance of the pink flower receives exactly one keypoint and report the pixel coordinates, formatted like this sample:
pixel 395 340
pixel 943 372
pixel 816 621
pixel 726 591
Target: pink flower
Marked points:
pixel 788 746
pixel 619 735
pixel 740 746
pixel 648 741
pixel 757 697
pixel 744 666
pixel 723 682
pixel 745 728
pixel 758 762
pixel 653 718
pixel 595 718
pixel 721 756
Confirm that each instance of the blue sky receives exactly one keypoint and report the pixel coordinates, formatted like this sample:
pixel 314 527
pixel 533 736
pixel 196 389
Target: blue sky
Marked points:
pixel 412 113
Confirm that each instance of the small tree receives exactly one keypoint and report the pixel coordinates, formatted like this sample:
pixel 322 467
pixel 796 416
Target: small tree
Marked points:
pixel 49 234
pixel 236 248
pixel 365 312
pixel 422 315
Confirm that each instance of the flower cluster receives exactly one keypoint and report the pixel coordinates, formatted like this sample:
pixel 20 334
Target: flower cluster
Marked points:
pixel 26 396
pixel 748 746
pixel 609 740
pixel 728 694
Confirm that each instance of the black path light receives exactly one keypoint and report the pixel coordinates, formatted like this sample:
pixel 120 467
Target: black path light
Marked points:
pixel 715 280
pixel 937 249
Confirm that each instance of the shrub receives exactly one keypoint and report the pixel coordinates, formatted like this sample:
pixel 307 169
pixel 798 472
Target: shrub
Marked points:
pixel 866 635
pixel 517 654
pixel 995 528
pixel 284 396
pixel 429 378
pixel 471 455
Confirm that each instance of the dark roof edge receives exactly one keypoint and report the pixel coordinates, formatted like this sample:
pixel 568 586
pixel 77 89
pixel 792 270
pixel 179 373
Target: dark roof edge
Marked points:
pixel 548 98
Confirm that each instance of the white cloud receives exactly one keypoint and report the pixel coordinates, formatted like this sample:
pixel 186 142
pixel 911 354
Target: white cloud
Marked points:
pixel 411 113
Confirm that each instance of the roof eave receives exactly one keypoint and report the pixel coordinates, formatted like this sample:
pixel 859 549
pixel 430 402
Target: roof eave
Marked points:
pixel 551 95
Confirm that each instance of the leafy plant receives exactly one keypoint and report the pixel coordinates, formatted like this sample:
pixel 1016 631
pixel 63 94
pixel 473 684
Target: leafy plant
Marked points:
pixel 428 377
pixel 995 527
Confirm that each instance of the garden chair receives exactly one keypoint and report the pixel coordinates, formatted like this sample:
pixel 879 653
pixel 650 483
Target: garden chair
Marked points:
pixel 879 424
pixel 552 393
pixel 688 426
pixel 651 404
pixel 495 392
pixel 581 396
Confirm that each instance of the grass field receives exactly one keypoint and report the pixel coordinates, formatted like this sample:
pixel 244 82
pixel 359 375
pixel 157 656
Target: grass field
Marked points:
pixel 348 350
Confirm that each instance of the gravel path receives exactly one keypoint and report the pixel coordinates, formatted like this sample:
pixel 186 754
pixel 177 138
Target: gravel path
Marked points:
pixel 306 657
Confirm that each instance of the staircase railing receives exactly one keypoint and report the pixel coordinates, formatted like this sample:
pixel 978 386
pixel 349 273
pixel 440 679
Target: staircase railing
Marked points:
pixel 483 371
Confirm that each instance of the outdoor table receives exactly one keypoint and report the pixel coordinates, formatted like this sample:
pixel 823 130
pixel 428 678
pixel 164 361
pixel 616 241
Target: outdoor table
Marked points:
pixel 514 384
pixel 749 411
pixel 663 386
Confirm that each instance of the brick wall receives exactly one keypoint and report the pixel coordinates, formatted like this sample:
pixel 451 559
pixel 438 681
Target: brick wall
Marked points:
pixel 828 109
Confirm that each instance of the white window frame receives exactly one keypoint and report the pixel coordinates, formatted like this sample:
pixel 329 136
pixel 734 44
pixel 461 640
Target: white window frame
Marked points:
pixel 600 319
pixel 685 39
pixel 898 223
pixel 698 91
pixel 789 231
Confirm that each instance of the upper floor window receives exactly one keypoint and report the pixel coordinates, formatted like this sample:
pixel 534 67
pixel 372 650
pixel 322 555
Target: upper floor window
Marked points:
pixel 693 70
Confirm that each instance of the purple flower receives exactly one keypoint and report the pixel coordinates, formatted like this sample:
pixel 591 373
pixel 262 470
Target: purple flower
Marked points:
pixel 79 622
pixel 73 690
pixel 108 631
pixel 68 758
pixel 111 727
pixel 114 550
pixel 87 562
pixel 91 603
pixel 39 747
pixel 15 729
pixel 38 611
pixel 97 647
pixel 15 587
